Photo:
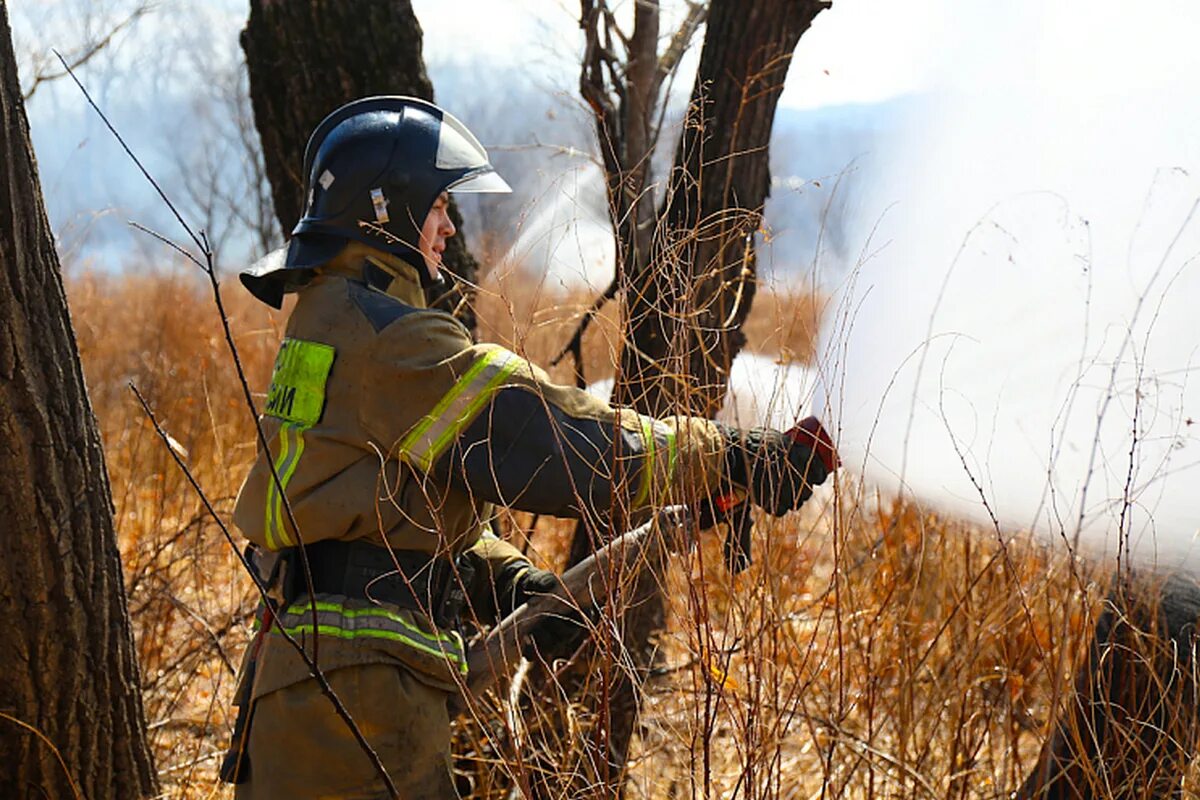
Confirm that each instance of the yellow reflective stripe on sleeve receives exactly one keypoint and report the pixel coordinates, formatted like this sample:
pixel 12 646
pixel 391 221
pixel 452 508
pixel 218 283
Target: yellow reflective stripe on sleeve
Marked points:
pixel 458 407
pixel 334 619
pixel 272 523
pixel 651 431
pixel 285 477
pixel 285 466
pixel 647 462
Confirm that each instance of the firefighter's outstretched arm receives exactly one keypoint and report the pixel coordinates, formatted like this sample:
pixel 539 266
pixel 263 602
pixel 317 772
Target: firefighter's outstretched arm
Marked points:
pixel 551 449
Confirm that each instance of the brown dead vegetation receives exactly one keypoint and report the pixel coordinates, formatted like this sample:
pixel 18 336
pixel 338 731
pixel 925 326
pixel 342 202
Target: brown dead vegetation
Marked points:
pixel 874 649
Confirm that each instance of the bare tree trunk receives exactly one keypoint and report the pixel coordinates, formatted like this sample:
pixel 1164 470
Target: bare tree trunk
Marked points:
pixel 305 59
pixel 687 304
pixel 1131 728
pixel 625 117
pixel 70 703
pixel 689 274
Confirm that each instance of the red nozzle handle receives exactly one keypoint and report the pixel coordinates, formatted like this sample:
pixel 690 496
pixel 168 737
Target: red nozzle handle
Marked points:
pixel 725 503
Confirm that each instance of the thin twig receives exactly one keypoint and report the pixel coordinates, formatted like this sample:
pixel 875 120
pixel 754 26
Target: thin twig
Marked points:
pixel 88 54
pixel 128 152
pixel 46 740
pixel 575 345
pixel 160 237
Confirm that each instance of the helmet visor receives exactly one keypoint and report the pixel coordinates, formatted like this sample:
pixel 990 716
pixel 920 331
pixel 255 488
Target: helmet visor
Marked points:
pixel 480 182
pixel 458 149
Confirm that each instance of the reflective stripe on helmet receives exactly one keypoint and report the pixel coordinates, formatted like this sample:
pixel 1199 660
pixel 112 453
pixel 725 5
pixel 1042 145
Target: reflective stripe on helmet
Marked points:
pixel 296 398
pixel 335 619
pixel 458 407
pixel 652 432
pixel 480 182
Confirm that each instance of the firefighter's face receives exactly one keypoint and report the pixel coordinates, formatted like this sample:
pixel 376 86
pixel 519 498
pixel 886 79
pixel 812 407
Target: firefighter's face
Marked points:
pixel 434 233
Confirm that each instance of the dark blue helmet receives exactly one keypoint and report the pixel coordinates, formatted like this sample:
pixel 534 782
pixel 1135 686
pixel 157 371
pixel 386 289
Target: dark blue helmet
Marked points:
pixel 373 169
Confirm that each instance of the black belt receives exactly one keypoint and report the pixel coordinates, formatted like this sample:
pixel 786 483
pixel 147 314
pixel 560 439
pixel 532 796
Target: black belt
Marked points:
pixel 409 579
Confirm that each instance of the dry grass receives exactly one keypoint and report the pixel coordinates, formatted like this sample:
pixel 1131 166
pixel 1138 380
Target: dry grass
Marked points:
pixel 189 603
pixel 873 650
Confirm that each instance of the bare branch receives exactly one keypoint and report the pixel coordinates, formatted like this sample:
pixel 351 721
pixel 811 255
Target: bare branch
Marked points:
pixel 90 50
pixel 668 62
pixel 575 345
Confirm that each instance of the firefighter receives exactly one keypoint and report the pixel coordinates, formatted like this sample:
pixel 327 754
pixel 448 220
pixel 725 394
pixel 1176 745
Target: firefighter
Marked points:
pixel 392 436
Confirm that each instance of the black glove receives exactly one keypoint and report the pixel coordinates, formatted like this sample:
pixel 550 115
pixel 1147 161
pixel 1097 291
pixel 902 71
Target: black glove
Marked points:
pixel 532 581
pixel 776 469
pixel 555 635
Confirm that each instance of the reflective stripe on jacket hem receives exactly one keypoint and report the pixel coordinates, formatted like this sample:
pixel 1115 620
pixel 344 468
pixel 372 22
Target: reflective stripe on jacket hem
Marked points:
pixel 337 620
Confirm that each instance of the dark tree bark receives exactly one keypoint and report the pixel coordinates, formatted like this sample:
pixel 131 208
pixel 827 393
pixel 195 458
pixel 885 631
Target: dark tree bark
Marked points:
pixel 1130 730
pixel 308 57
pixel 70 682
pixel 686 305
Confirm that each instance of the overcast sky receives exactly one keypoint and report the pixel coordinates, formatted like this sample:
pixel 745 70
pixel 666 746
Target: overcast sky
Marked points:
pixel 859 51
pixel 862 51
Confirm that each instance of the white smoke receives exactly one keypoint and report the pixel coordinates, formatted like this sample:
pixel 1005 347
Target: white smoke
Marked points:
pixel 567 231
pixel 1020 337
pixel 761 392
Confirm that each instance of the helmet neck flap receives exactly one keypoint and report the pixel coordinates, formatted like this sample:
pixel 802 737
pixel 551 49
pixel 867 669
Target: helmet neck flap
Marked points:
pixel 381 271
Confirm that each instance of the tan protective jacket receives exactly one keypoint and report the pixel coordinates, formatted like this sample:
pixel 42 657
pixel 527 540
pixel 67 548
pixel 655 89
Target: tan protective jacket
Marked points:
pixel 386 423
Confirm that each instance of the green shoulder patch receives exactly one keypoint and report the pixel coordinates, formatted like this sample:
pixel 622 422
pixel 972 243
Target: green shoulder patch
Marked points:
pixel 297 393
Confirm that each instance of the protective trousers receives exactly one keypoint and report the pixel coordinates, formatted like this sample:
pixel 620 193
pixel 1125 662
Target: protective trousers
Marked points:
pixel 301 748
